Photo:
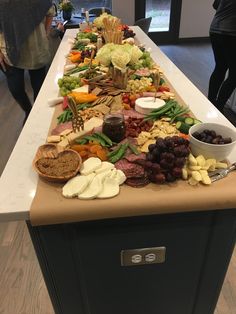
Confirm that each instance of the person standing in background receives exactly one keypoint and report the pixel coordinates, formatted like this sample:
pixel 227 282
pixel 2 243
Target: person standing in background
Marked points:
pixel 223 40
pixel 24 29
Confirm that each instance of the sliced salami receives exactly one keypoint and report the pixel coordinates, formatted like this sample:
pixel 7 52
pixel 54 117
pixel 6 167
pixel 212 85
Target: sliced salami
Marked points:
pixel 130 170
pixel 138 182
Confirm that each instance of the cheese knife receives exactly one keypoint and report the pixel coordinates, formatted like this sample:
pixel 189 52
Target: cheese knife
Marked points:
pixel 221 173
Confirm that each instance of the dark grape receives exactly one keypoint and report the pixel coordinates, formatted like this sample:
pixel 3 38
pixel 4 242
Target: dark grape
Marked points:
pixel 156 154
pixel 151 147
pixel 179 162
pixel 175 139
pixel 169 142
pixel 160 143
pixel 156 167
pixel 150 157
pixel 160 178
pixel 168 156
pixel 152 176
pixel 170 177
pixel 178 151
pixel 149 164
pixel 177 172
pixel 166 165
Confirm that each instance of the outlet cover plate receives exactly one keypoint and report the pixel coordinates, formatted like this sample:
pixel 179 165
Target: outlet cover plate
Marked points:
pixel 143 256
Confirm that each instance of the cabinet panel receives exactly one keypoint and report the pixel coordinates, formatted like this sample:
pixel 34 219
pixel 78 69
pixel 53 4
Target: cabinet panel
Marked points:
pixel 81 263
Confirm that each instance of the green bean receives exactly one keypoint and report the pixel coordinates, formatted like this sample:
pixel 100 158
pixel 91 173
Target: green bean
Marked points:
pixel 180 113
pixel 156 115
pixel 61 118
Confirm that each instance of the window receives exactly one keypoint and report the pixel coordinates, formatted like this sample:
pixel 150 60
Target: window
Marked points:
pixel 88 4
pixel 159 10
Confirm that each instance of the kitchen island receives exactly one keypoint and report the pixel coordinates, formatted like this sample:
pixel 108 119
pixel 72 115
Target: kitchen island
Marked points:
pixel 82 261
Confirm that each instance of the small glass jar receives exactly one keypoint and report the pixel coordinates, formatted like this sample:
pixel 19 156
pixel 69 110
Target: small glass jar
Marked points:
pixel 114 127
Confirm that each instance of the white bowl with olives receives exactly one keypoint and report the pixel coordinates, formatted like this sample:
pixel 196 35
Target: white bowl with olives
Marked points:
pixel 212 140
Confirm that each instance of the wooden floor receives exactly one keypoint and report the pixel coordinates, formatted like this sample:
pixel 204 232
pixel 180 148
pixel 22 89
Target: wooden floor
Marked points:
pixel 22 289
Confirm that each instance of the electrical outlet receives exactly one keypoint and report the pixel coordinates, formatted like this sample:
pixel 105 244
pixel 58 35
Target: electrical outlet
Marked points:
pixel 144 256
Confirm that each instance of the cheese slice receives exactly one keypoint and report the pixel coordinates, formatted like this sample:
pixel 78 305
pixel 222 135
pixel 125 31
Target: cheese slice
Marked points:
pixel 65 132
pixel 120 177
pixel 110 188
pixel 105 166
pixel 64 143
pixel 145 105
pixel 53 139
pixel 88 127
pixel 92 190
pixel 75 186
pixel 82 89
pixel 103 175
pixel 90 165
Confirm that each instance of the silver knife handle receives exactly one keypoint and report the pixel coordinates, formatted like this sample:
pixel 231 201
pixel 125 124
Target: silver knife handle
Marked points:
pixel 232 167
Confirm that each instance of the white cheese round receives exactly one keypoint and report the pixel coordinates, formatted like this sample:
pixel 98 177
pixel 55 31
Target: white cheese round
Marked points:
pixel 145 105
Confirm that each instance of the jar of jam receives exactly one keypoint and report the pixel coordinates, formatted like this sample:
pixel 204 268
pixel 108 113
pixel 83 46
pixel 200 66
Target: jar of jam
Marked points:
pixel 114 127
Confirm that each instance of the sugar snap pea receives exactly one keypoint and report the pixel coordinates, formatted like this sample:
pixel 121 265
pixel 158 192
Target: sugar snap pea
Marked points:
pixel 81 141
pixel 105 138
pixel 133 149
pixel 120 153
pixel 99 139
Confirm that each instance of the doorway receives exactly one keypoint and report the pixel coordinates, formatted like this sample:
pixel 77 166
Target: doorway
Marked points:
pixel 165 18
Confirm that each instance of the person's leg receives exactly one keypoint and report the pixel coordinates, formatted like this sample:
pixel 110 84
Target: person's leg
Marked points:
pixel 221 66
pixel 36 78
pixel 16 85
pixel 229 84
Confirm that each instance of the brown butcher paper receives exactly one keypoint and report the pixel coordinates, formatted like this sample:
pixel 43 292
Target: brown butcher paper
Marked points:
pixel 50 207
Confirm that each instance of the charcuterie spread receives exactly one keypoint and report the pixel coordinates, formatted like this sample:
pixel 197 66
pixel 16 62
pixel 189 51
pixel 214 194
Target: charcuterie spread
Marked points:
pixel 119 113
pixel 129 118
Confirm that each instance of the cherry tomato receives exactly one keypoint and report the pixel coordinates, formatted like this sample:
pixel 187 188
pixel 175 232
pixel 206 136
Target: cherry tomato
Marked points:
pixel 132 103
pixel 125 100
pixel 163 89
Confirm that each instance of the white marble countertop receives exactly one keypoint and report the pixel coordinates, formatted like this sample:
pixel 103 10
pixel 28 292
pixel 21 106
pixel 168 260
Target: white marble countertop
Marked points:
pixel 18 181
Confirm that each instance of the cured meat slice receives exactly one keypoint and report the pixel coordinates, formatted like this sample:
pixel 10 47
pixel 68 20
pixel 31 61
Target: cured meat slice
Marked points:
pixel 132 114
pixel 134 158
pixel 138 182
pixel 61 127
pixel 130 170
pixel 143 72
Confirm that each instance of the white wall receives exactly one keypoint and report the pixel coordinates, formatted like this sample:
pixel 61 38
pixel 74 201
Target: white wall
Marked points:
pixel 196 18
pixel 124 9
